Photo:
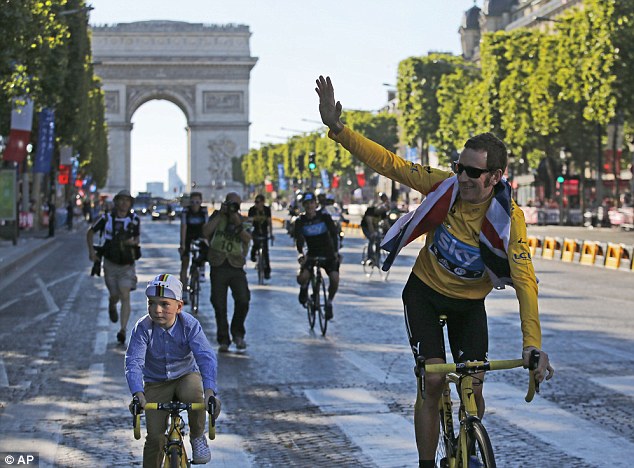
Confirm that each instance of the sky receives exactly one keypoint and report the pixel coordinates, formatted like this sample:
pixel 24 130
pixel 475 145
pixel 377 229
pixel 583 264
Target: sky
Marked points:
pixel 359 43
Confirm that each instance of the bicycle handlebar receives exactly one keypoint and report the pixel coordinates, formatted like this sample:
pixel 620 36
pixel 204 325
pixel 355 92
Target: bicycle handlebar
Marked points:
pixel 173 406
pixel 471 367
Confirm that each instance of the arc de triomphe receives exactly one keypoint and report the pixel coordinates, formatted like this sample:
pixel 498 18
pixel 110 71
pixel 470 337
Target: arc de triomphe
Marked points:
pixel 203 69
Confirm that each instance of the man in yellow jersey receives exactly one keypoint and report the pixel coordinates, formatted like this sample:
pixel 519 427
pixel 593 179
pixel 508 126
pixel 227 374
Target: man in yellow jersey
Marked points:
pixel 467 252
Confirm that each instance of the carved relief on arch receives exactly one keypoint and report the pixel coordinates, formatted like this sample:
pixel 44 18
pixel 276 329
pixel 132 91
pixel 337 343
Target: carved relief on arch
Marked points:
pixel 182 96
pixel 221 150
pixel 112 102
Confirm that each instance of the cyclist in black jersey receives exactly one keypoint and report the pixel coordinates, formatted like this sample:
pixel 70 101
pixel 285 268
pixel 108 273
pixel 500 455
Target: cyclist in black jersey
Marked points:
pixel 192 221
pixel 318 231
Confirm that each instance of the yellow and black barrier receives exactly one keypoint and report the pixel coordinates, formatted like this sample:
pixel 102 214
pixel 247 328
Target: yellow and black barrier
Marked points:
pixel 534 243
pixel 551 245
pixel 616 254
pixel 589 252
pixel 569 248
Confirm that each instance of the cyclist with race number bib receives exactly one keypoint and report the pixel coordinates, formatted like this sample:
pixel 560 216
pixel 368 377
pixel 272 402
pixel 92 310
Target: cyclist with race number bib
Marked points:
pixel 317 230
pixel 192 221
pixel 476 240
pixel 228 246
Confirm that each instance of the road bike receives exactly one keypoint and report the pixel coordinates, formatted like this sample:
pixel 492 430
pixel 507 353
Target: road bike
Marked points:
pixel 318 295
pixel 471 446
pixel 196 269
pixel 375 261
pixel 175 452
pixel 260 261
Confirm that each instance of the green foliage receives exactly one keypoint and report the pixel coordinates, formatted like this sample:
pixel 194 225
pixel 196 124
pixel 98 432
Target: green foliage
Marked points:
pixel 418 81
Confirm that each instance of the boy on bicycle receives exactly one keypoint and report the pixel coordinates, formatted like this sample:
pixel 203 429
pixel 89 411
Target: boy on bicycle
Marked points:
pixel 169 358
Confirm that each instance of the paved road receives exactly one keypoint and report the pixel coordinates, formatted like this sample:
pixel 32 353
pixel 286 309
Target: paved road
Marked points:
pixel 295 398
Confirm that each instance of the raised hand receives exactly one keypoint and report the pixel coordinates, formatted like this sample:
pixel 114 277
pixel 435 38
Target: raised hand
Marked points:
pixel 329 110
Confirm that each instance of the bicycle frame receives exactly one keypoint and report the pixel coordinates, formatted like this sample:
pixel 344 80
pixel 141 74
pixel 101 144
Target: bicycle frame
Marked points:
pixel 461 375
pixel 259 258
pixel 316 283
pixel 193 285
pixel 174 445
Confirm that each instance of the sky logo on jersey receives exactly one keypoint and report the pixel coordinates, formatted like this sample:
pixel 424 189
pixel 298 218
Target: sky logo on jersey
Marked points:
pixel 317 229
pixel 459 258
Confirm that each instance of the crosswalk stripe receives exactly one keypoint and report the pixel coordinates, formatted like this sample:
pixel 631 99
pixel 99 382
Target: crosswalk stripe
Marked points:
pixel 559 428
pixel 386 438
pixel 619 384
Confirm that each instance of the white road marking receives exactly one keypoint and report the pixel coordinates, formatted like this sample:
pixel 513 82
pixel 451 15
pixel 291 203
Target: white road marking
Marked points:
pixel 386 438
pixel 50 302
pixel 621 384
pixel 94 382
pixel 369 368
pixel 559 428
pixel 101 343
pixel 4 379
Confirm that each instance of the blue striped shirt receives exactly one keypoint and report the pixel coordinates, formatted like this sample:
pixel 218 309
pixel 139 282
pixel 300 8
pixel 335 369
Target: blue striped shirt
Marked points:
pixel 156 355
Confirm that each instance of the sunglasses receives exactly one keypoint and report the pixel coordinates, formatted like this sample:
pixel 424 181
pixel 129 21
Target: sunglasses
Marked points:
pixel 196 202
pixel 472 172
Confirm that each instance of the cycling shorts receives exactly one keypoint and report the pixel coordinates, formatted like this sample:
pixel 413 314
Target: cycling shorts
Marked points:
pixel 466 323
pixel 330 265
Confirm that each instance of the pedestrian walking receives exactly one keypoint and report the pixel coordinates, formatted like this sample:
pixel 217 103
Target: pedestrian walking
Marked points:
pixel 70 208
pixel 51 217
pixel 121 229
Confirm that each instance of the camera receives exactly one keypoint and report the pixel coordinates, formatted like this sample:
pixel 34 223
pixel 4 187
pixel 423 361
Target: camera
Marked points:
pixel 232 207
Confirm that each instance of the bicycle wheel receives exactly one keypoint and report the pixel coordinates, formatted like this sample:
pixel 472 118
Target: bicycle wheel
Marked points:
pixel 260 266
pixel 193 289
pixel 311 311
pixel 321 298
pixel 443 450
pixel 174 457
pixel 479 446
pixel 367 269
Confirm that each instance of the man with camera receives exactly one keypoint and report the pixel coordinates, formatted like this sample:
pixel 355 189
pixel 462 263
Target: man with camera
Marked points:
pixel 228 247
pixel 121 230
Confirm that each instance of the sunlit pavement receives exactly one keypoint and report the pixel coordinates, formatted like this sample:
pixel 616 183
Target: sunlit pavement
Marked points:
pixel 295 398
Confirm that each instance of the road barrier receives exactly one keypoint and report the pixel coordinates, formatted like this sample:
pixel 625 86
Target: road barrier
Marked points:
pixel 551 245
pixel 615 254
pixel 534 243
pixel 569 249
pixel 589 252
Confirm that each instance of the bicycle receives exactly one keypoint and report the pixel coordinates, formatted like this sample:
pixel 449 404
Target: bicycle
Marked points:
pixel 259 258
pixel 471 447
pixel 193 285
pixel 316 303
pixel 175 452
pixel 375 261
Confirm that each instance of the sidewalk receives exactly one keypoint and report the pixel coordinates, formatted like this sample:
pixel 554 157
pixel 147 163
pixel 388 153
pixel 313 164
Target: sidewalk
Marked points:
pixel 30 243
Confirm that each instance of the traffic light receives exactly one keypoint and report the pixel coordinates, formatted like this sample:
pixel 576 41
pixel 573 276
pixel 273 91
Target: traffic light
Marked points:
pixel 300 163
pixel 312 165
pixel 560 179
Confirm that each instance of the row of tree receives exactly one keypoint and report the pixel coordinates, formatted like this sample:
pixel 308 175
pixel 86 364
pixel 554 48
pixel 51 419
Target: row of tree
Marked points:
pixel 539 90
pixel 45 55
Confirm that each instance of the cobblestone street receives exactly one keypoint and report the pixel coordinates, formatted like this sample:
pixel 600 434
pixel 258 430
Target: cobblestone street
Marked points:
pixel 295 398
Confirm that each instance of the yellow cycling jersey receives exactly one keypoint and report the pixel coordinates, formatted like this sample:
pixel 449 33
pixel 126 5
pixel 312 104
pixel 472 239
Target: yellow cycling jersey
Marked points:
pixel 450 261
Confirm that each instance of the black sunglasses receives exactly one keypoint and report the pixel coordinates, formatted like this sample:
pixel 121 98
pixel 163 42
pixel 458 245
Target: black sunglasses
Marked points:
pixel 472 172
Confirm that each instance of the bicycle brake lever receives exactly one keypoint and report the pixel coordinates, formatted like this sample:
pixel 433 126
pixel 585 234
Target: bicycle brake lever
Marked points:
pixel 533 363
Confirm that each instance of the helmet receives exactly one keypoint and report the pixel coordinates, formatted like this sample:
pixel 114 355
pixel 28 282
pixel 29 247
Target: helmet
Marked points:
pixel 308 196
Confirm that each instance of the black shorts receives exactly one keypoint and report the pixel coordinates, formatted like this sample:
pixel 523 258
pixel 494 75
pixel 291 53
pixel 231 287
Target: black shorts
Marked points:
pixel 466 323
pixel 330 265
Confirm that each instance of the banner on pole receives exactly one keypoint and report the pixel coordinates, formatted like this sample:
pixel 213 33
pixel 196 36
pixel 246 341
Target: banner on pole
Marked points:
pixel 45 142
pixel 325 180
pixel 282 184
